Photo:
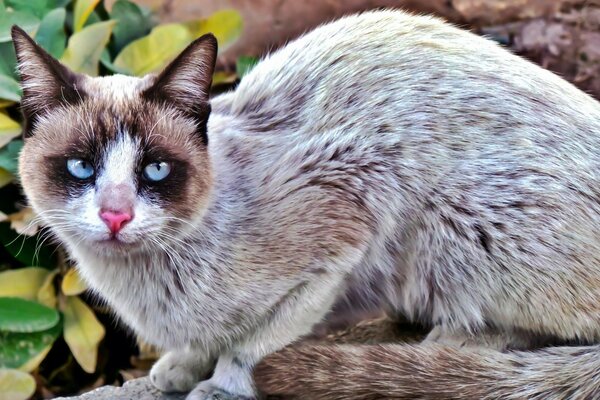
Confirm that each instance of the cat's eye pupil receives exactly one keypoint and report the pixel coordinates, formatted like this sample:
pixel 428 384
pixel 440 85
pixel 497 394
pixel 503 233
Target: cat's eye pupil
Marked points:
pixel 157 171
pixel 80 169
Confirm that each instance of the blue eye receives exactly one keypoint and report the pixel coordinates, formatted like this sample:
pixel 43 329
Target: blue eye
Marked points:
pixel 157 171
pixel 79 168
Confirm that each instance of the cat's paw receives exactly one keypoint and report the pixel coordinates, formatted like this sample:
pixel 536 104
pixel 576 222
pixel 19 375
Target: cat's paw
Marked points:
pixel 207 391
pixel 178 371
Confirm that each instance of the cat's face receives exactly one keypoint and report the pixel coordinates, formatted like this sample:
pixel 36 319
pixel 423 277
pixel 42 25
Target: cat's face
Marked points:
pixel 116 164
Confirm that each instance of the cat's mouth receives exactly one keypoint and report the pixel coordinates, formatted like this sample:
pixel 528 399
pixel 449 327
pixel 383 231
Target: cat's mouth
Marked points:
pixel 116 248
pixel 117 242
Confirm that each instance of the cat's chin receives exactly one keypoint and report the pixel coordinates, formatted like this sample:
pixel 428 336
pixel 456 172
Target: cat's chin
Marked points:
pixel 115 246
pixel 115 243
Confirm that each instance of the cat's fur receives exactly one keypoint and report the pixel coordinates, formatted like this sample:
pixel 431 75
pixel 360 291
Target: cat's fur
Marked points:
pixel 386 154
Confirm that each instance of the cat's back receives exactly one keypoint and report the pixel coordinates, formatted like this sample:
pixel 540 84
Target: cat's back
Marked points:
pixel 388 78
pixel 422 74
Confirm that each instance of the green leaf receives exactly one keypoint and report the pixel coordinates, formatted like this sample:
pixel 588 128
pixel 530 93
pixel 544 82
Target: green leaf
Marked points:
pixel 99 14
pixel 132 24
pixel 83 333
pixel 244 65
pixel 10 17
pixel 9 89
pixel 58 3
pixel 19 315
pixel 19 349
pixel 81 12
pixel 25 249
pixel 105 60
pixel 36 7
pixel 226 25
pixel 37 359
pixel 147 11
pixel 16 385
pixel 51 33
pixel 9 129
pixel 85 48
pixel 9 156
pixel 8 60
pixel 94 18
pixel 153 52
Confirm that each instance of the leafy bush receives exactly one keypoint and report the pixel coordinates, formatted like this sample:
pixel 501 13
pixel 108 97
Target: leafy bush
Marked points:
pixel 39 291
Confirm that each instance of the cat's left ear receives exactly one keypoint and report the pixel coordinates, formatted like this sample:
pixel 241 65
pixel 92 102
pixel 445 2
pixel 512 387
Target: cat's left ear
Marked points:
pixel 46 82
pixel 186 81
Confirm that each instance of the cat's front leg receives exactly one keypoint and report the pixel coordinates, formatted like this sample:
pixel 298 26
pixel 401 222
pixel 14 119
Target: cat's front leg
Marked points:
pixel 292 317
pixel 232 380
pixel 180 370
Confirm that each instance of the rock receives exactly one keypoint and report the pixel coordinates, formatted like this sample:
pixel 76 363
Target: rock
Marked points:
pixel 136 389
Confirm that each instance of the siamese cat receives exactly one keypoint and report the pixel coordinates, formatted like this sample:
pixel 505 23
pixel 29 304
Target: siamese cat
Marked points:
pixel 384 154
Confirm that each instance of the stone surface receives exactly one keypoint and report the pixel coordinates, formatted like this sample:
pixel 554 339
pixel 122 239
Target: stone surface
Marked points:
pixel 136 389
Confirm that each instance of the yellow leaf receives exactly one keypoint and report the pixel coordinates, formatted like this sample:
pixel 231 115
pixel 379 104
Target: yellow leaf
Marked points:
pixel 153 51
pixel 16 385
pixel 23 222
pixel 82 332
pixel 85 47
pixel 222 77
pixel 82 11
pixel 72 284
pixel 5 177
pixel 6 103
pixel 35 362
pixel 226 25
pixel 24 283
pixel 9 129
pixel 47 293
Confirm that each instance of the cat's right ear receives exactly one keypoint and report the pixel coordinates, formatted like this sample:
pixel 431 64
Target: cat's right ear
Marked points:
pixel 186 81
pixel 46 82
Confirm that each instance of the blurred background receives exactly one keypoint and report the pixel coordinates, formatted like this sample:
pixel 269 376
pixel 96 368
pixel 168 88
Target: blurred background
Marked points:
pixel 561 35
pixel 58 339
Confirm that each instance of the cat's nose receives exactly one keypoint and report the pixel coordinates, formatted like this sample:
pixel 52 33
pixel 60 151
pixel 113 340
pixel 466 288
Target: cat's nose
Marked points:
pixel 115 220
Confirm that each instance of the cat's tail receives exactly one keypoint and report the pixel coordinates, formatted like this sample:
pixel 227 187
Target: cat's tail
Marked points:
pixel 430 371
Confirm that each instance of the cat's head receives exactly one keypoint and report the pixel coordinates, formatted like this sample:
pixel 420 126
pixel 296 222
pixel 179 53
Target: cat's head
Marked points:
pixel 116 163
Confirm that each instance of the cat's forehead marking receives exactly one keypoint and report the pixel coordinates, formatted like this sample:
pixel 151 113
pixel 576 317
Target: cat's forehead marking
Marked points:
pixel 120 158
pixel 117 87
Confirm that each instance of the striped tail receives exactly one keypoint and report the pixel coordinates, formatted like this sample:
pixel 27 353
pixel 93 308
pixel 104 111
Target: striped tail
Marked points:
pixel 429 371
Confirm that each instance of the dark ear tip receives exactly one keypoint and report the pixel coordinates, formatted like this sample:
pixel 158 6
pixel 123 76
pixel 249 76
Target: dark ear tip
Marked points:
pixel 17 32
pixel 19 37
pixel 209 39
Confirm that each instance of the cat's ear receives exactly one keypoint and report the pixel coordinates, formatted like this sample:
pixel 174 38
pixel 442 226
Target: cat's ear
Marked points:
pixel 186 81
pixel 46 82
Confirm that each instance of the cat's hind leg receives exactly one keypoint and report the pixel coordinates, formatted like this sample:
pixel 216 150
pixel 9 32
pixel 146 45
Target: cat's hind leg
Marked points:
pixel 485 338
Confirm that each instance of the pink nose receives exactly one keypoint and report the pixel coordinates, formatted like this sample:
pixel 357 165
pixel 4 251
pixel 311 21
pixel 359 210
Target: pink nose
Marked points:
pixel 115 220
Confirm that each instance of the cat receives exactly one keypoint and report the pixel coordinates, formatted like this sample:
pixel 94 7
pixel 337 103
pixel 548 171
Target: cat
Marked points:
pixel 387 155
